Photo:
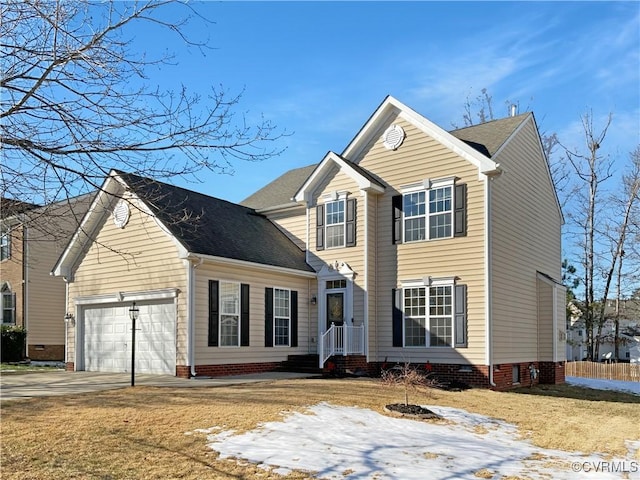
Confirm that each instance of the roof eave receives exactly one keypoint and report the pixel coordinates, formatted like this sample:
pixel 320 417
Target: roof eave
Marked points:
pixel 248 264
pixel 304 193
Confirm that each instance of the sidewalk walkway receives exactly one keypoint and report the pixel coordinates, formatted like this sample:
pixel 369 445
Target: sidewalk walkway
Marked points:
pixel 29 385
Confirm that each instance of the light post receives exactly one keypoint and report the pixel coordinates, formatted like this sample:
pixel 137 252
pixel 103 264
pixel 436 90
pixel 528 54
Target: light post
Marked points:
pixel 133 314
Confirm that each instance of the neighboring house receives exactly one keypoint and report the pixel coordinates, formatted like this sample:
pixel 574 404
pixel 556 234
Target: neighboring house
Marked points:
pixel 32 239
pixel 413 245
pixel 628 332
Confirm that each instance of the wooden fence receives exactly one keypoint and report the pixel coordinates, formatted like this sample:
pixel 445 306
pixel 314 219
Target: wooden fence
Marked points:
pixel 629 372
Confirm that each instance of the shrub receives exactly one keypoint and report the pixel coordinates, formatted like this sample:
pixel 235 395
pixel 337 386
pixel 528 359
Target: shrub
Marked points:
pixel 13 343
pixel 409 378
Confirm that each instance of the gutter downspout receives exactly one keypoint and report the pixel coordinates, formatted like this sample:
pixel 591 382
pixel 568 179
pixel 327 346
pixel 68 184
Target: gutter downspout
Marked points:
pixel 489 279
pixel 366 275
pixel 66 322
pixel 25 284
pixel 191 355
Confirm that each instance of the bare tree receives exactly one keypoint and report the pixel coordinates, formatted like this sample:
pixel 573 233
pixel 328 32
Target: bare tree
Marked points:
pixel 591 170
pixel 628 227
pixel 75 102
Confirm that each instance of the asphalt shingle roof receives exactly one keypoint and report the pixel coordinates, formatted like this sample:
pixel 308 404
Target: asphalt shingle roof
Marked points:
pixel 211 226
pixel 488 137
pixel 281 190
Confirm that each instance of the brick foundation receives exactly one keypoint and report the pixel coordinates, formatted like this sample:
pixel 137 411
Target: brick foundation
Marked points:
pixel 184 371
pixel 503 374
pixel 340 364
pixel 552 372
pixel 46 352
pixel 70 367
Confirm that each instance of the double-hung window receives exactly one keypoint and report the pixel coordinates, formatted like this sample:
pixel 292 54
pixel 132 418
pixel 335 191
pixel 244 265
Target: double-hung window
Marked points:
pixel 335 223
pixel 430 315
pixel 8 301
pixel 428 213
pixel 229 314
pixel 281 317
pixel 430 210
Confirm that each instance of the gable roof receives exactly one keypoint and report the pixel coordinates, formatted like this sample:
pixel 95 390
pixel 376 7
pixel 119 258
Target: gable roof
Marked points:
pixel 201 224
pixel 480 142
pixel 392 107
pixel 280 192
pixel 364 179
pixel 487 138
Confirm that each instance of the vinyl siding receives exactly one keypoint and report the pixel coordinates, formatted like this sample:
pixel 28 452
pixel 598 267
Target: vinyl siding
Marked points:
pixel 46 295
pixel 140 257
pixel 561 325
pixel 353 256
pixel 293 222
pixel 526 239
pixel 545 321
pixel 421 157
pixel 258 280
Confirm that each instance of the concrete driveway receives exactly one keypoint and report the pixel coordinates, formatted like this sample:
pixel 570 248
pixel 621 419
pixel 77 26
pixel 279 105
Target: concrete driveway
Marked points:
pixel 29 385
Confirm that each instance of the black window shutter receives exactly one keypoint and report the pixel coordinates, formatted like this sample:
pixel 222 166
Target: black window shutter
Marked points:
pixel 320 227
pixel 294 318
pixel 213 313
pixel 460 211
pixel 396 202
pixel 244 315
pixel 268 317
pixel 351 223
pixel 397 317
pixel 461 316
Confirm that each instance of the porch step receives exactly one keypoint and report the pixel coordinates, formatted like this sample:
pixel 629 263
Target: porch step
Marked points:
pixel 302 364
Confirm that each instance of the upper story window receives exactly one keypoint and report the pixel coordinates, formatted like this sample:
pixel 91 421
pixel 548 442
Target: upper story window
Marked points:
pixel 8 302
pixel 5 245
pixel 430 210
pixel 336 223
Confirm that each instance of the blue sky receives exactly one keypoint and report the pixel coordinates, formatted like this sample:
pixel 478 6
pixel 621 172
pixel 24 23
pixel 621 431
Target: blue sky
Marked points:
pixel 318 70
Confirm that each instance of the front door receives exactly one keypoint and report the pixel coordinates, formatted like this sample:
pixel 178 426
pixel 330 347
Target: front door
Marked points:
pixel 335 309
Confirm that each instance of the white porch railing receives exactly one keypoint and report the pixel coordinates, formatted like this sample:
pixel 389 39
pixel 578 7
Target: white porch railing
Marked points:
pixel 341 340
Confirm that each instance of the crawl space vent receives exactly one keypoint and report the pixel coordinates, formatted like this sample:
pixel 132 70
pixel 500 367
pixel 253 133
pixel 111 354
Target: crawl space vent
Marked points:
pixel 393 137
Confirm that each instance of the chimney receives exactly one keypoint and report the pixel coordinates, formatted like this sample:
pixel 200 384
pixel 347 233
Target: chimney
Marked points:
pixel 514 109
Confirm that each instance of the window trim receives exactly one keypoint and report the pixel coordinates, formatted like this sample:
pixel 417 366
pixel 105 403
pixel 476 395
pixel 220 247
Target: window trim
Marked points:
pixel 276 317
pixel 342 200
pixel 427 283
pixel 428 186
pixel 238 313
pixel 7 292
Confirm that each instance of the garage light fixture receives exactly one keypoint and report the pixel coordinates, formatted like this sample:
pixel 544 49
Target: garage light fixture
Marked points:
pixel 133 314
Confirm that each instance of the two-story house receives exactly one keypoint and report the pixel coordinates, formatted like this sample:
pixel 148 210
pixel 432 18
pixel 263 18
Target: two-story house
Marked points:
pixel 413 245
pixel 32 238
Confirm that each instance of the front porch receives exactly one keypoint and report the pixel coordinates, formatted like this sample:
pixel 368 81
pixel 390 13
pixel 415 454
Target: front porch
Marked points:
pixel 341 340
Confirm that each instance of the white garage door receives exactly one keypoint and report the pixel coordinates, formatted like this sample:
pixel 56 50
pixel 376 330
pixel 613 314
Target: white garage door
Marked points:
pixel 107 338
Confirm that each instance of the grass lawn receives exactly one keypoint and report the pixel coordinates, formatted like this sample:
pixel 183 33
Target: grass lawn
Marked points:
pixel 139 433
pixel 19 368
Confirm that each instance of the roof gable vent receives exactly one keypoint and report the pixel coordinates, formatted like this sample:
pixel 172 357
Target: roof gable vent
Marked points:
pixel 393 137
